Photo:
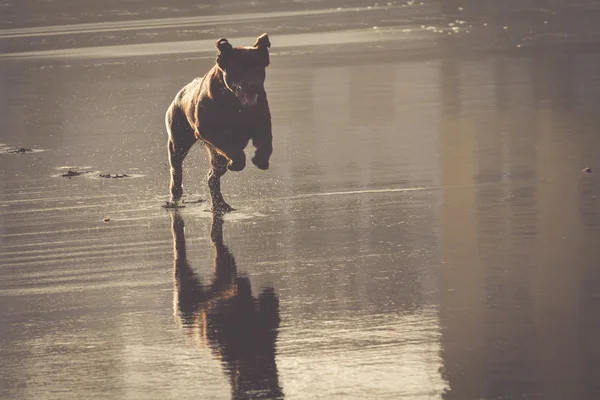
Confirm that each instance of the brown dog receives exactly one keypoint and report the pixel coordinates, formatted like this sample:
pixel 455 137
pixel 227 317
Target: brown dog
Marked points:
pixel 224 109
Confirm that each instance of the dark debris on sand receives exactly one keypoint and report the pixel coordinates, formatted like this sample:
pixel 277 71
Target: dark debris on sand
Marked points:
pixel 71 173
pixel 20 150
pixel 113 176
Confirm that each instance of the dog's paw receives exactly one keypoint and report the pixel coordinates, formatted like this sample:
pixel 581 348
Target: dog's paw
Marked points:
pixel 237 165
pixel 221 208
pixel 173 205
pixel 260 162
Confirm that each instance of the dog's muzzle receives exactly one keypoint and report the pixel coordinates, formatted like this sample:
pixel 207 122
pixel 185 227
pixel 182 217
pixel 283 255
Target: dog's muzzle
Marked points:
pixel 248 99
pixel 249 95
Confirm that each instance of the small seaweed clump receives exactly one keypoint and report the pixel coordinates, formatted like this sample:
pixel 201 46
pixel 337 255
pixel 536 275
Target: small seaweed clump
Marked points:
pixel 113 176
pixel 20 150
pixel 70 173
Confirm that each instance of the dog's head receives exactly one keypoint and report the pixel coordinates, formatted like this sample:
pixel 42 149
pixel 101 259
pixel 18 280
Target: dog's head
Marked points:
pixel 244 68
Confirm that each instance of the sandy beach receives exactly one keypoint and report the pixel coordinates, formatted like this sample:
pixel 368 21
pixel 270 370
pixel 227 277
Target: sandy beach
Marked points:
pixel 426 229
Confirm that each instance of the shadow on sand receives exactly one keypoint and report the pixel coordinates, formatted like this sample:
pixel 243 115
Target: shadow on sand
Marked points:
pixel 240 329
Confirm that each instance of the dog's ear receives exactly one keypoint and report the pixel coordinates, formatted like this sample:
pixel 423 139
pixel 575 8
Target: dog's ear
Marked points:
pixel 262 44
pixel 223 45
pixel 224 49
pixel 263 41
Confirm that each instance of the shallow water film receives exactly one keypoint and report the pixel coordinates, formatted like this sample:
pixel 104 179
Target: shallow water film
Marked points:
pixel 429 227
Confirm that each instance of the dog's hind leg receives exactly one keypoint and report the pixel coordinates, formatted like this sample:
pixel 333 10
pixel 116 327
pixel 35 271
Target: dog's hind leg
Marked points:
pixel 181 139
pixel 218 168
pixel 177 153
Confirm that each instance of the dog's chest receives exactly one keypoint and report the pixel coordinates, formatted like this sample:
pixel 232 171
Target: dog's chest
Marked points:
pixel 241 119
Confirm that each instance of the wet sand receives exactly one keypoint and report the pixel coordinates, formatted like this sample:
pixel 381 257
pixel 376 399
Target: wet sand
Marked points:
pixel 425 230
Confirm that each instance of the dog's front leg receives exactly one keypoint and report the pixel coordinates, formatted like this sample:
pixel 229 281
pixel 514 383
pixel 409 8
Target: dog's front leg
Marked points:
pixel 229 146
pixel 262 139
pixel 218 169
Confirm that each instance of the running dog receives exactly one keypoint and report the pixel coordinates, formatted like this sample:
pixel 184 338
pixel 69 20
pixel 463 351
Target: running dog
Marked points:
pixel 224 109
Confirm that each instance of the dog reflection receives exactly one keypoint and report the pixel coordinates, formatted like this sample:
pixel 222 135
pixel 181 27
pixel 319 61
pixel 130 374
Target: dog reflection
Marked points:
pixel 240 329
